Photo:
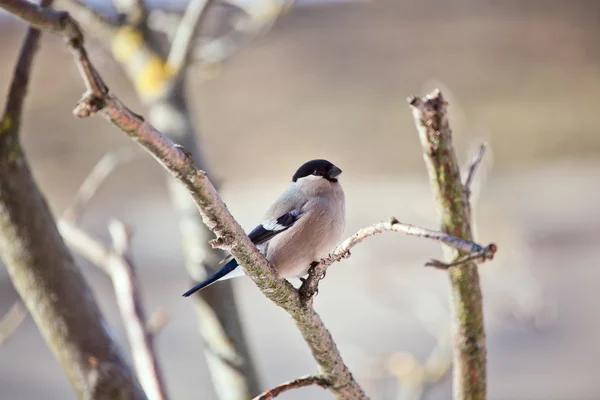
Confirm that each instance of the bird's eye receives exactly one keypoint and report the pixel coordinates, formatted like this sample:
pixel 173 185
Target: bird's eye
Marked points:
pixel 316 172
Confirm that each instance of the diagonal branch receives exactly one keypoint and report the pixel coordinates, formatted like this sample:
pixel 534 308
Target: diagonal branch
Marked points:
pixel 295 384
pixel 183 42
pixel 431 118
pixel 214 212
pixel 96 178
pixel 116 263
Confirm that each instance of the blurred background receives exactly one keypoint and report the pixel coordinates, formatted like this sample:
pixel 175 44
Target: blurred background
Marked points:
pixel 330 80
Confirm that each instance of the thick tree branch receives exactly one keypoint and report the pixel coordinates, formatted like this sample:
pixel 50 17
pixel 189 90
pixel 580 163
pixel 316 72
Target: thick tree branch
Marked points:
pixel 39 264
pixel 295 384
pixel 10 321
pixel 214 212
pixel 431 119
pixel 116 263
pixel 183 42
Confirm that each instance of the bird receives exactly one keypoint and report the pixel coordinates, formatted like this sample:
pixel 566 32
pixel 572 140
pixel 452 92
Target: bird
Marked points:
pixel 299 228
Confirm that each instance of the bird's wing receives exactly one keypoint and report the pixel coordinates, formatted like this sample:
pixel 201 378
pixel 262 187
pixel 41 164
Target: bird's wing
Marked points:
pixel 271 228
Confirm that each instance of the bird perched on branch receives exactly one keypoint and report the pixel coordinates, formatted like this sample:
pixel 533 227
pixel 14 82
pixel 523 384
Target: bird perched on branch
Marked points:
pixel 300 227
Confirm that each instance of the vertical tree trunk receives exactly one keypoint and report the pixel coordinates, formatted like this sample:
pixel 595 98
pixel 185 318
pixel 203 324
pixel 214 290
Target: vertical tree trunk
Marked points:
pixel 431 118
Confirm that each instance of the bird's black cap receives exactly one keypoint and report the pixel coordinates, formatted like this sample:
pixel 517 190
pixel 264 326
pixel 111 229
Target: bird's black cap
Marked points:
pixel 318 168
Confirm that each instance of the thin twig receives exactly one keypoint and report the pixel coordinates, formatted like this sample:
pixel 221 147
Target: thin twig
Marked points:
pixel 214 212
pixel 157 321
pixel 116 263
pixel 316 273
pixel 295 384
pixel 477 157
pixel 96 178
pixel 183 41
pixel 13 318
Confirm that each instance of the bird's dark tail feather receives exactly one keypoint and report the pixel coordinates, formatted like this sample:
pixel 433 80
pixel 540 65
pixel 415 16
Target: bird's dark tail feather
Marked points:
pixel 227 268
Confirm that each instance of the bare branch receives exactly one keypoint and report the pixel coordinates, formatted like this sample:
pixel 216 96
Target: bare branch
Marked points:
pixel 12 320
pixel 431 119
pixel 96 178
pixel 115 262
pixel 295 384
pixel 477 157
pixel 214 212
pixel 317 272
pixel 183 41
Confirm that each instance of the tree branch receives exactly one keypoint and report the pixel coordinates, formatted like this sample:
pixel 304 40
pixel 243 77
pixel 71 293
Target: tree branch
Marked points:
pixel 317 272
pixel 13 318
pixel 116 263
pixel 295 384
pixel 38 262
pixel 214 212
pixel 182 45
pixel 431 119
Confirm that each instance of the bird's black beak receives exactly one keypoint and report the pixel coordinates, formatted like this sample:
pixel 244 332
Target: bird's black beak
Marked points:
pixel 334 172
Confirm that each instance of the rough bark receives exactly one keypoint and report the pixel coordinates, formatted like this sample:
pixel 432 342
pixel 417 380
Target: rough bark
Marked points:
pixel 469 345
pixel 161 87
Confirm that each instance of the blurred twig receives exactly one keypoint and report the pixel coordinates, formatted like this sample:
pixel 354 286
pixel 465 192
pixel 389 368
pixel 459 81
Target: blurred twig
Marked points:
pixel 96 178
pixel 477 157
pixel 431 120
pixel 157 321
pixel 295 384
pixel 115 261
pixel 183 41
pixel 13 318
